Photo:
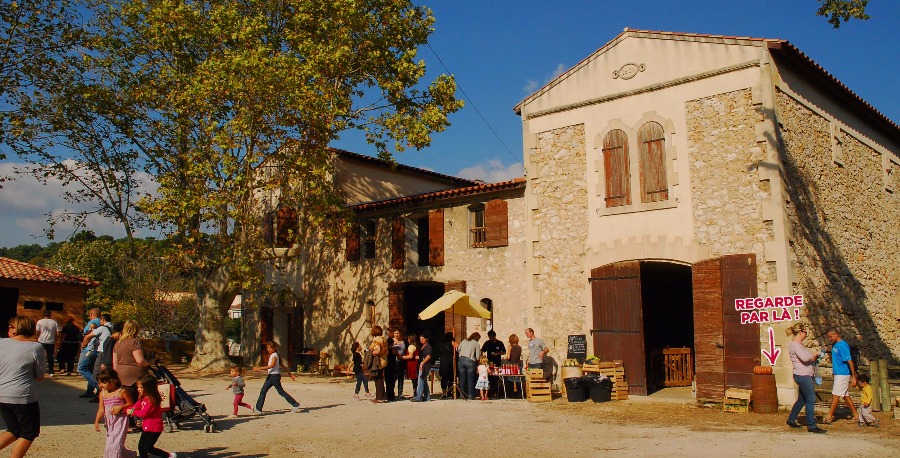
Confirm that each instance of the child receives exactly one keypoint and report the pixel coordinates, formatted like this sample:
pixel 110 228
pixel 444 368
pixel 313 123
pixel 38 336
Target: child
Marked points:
pixel 865 398
pixel 361 379
pixel 274 379
pixel 237 387
pixel 149 409
pixel 114 401
pixel 483 384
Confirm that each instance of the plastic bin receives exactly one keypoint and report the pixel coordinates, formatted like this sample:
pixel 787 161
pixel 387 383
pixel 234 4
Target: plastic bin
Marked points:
pixel 600 389
pixel 576 389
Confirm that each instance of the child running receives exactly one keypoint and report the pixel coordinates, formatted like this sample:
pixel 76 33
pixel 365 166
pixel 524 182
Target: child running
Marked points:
pixel 273 379
pixel 237 387
pixel 149 409
pixel 114 401
pixel 865 398
pixel 483 384
pixel 358 370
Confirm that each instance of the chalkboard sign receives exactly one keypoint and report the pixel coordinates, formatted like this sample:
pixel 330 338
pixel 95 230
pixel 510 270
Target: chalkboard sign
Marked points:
pixel 577 347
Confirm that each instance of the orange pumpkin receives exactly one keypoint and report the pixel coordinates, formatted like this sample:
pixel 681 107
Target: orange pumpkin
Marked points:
pixel 762 370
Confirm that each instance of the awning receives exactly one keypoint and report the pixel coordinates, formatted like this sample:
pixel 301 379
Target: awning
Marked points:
pixel 457 303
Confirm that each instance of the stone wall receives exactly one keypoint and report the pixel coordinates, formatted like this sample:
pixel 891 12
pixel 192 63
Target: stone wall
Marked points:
pixel 725 184
pixel 844 231
pixel 560 229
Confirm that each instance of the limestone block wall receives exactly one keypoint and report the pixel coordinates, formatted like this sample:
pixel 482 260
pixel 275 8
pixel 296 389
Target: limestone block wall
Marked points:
pixel 559 229
pixel 844 230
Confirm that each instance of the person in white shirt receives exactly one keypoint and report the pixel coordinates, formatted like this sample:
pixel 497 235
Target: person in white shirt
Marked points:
pixel 48 335
pixel 273 379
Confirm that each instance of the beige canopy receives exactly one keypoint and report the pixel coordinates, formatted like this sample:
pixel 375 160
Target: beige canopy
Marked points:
pixel 457 303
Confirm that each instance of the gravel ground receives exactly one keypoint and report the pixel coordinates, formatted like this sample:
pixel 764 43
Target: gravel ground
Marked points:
pixel 332 423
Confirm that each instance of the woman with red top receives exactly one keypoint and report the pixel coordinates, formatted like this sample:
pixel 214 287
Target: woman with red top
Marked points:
pixel 149 409
pixel 412 361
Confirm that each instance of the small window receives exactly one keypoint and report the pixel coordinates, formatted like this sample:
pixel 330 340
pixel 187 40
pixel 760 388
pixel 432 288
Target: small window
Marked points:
pixel 616 169
pixel 477 228
pixel 370 313
pixel 369 244
pixel 652 139
pixel 423 244
pixel 34 305
pixel 54 306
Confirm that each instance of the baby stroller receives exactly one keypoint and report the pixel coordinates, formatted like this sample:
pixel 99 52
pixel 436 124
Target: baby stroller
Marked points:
pixel 182 406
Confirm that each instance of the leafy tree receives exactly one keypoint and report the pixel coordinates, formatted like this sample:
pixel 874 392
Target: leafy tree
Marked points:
pixel 220 102
pixel 838 11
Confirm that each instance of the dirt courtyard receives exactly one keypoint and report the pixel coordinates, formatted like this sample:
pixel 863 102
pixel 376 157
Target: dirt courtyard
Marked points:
pixel 332 423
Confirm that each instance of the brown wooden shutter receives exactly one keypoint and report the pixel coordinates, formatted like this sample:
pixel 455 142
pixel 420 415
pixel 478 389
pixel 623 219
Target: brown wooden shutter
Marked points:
pixel 616 168
pixel 398 243
pixel 452 321
pixel 286 227
pixel 396 306
pixel 618 320
pixel 266 319
pixel 654 185
pixel 496 223
pixel 436 237
pixel 268 231
pixel 742 345
pixel 352 251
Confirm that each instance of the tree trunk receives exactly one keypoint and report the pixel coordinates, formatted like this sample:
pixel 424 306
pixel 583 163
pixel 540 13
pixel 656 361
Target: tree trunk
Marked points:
pixel 214 295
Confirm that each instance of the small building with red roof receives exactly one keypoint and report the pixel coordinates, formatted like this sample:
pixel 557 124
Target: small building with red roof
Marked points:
pixel 28 290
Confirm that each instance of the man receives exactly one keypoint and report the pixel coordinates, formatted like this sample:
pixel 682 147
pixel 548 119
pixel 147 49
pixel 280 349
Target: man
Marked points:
pixel 537 350
pixel 423 394
pixel 844 374
pixel 69 347
pixel 48 335
pixel 469 354
pixel 102 337
pixel 399 349
pixel 89 354
pixel 494 349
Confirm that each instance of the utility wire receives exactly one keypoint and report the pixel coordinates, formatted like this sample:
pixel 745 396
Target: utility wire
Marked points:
pixel 469 100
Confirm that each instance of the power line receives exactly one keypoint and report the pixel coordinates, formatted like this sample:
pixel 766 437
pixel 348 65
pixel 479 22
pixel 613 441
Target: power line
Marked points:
pixel 469 100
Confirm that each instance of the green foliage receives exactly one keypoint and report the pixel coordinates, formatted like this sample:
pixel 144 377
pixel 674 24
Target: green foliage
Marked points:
pixel 838 11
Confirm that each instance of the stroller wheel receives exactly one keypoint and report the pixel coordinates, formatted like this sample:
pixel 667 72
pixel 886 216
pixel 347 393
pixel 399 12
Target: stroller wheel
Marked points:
pixel 168 428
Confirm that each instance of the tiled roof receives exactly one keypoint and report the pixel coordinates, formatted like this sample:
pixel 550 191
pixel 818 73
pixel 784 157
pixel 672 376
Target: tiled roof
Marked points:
pixel 18 270
pixel 778 47
pixel 397 166
pixel 408 201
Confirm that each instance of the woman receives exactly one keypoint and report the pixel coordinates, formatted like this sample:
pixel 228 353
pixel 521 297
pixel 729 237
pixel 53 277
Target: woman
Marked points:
pixel 515 351
pixel 803 360
pixel 128 358
pixel 378 347
pixel 22 362
pixel 411 357
pixel 445 353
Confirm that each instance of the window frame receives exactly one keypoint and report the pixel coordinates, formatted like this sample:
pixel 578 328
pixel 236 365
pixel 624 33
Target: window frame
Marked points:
pixel 654 183
pixel 477 234
pixel 369 240
pixel 622 177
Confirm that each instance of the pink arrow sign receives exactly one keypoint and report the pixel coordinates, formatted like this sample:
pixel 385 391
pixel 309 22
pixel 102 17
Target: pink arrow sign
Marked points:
pixel 772 354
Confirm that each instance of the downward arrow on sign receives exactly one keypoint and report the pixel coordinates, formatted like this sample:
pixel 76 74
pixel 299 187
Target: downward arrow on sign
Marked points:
pixel 772 354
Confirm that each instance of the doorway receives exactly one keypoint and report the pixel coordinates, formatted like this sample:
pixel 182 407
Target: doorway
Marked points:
pixel 9 304
pixel 417 296
pixel 667 308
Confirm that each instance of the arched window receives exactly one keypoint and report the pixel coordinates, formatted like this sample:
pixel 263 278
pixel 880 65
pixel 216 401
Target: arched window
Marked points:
pixel 615 167
pixel 652 141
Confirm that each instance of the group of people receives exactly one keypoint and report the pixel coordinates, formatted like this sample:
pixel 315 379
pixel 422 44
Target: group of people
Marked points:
pixel 390 361
pixel 845 375
pixel 118 381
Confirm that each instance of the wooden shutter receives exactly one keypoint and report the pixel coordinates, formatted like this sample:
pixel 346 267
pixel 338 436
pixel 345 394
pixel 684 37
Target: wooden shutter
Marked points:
pixel 268 226
pixel 398 243
pixel 709 357
pixel 436 237
pixel 452 321
pixel 352 251
pixel 618 320
pixel 616 168
pixel 654 186
pixel 266 318
pixel 496 223
pixel 396 306
pixel 742 345
pixel 286 227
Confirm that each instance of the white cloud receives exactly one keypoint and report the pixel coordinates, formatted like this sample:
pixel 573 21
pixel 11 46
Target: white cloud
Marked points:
pixel 532 85
pixel 492 172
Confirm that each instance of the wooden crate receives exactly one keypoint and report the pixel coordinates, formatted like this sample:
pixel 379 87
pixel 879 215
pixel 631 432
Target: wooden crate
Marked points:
pixel 737 400
pixel 537 388
pixel 615 370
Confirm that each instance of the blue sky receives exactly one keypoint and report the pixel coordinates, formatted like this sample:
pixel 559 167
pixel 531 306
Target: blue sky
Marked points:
pixel 500 51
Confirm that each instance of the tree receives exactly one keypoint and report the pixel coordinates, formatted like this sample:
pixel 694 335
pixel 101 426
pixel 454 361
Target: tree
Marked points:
pixel 220 101
pixel 838 11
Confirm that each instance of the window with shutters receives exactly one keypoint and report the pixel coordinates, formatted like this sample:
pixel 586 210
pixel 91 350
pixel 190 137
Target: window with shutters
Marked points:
pixel 652 142
pixel 398 242
pixel 371 230
pixel 616 168
pixel 286 227
pixel 476 226
pixel 352 250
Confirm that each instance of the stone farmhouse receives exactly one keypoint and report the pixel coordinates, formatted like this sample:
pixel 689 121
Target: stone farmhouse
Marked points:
pixel 668 174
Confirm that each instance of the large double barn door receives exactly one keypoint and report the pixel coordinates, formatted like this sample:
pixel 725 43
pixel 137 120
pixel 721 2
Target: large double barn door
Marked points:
pixel 618 320
pixel 725 350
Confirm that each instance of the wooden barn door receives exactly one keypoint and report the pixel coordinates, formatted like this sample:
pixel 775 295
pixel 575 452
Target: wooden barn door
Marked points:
pixel 618 320
pixel 725 351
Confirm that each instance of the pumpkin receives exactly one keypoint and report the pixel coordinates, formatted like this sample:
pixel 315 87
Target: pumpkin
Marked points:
pixel 762 370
